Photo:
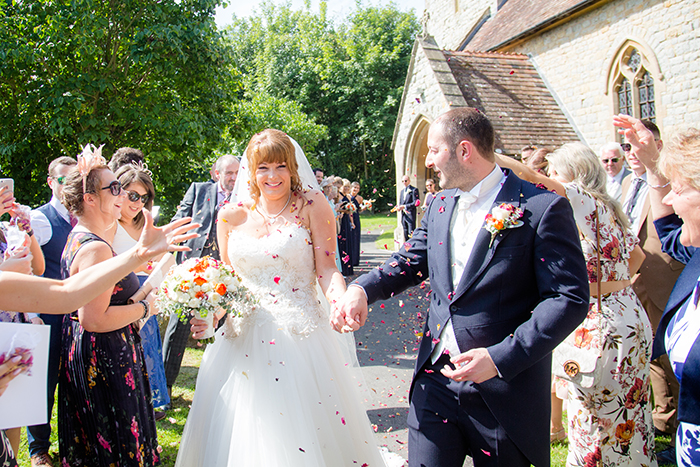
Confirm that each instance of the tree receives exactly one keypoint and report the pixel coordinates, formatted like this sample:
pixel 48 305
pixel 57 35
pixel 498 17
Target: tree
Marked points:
pixel 151 75
pixel 348 78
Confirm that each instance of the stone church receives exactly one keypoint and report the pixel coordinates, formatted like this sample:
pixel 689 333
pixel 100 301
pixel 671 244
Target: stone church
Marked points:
pixel 547 72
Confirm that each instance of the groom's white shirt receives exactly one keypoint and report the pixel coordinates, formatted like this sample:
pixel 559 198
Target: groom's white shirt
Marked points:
pixel 466 223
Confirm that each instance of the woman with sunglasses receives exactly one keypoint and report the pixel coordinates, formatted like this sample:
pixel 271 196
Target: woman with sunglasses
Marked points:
pixel 104 411
pixel 136 182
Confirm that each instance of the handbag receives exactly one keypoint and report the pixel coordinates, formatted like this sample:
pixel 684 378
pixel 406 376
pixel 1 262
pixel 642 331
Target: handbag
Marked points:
pixel 574 364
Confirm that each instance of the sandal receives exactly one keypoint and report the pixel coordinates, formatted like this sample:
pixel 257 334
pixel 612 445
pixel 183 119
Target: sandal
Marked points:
pixel 558 436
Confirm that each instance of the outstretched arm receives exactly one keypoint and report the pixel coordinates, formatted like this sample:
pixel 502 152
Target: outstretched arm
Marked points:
pixel 22 293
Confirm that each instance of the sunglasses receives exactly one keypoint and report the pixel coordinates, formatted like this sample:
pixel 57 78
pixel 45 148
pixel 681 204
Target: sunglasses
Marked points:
pixel 60 180
pixel 133 197
pixel 627 147
pixel 115 188
pixel 614 160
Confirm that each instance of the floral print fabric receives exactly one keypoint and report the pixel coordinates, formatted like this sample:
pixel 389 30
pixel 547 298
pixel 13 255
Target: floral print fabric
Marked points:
pixel 104 405
pixel 610 423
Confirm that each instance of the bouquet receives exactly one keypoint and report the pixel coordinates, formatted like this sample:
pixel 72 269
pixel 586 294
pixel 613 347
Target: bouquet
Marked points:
pixel 200 286
pixel 367 204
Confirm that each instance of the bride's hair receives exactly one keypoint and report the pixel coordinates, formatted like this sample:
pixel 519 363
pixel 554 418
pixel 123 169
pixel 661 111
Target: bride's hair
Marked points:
pixel 272 146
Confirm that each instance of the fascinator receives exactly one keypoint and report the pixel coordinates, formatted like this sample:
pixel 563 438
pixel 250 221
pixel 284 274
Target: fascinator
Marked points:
pixel 141 167
pixel 90 158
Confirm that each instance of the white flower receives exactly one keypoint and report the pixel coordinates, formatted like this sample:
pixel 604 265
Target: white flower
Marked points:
pixel 214 298
pixel 194 303
pixel 206 287
pixel 500 214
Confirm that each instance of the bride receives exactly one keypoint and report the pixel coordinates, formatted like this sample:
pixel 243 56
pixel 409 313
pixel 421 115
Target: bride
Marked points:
pixel 277 387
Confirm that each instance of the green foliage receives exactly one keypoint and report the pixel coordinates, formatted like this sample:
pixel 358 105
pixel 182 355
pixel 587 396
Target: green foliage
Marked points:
pixel 347 79
pixel 151 75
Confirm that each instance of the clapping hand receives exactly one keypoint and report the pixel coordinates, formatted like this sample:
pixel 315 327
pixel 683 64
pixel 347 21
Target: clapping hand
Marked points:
pixel 349 312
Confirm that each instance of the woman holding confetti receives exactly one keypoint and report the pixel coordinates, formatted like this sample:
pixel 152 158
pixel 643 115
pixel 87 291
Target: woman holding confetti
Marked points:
pixel 276 387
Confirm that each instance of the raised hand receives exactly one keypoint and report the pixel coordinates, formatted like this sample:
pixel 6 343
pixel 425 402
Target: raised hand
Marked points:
pixel 7 199
pixel 156 240
pixel 349 312
pixel 641 139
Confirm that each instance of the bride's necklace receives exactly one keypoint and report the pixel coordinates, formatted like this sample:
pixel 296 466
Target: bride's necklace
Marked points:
pixel 272 219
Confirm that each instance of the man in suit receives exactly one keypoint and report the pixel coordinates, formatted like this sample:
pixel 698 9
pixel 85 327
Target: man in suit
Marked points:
pixel 655 280
pixel 52 224
pixel 613 160
pixel 408 200
pixel 201 202
pixel 500 303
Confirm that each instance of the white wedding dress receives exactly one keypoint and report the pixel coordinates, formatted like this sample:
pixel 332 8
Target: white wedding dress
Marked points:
pixel 275 388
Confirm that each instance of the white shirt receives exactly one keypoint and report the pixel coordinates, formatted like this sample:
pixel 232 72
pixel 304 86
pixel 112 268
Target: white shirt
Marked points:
pixel 636 215
pixel 41 225
pixel 682 332
pixel 614 184
pixel 465 227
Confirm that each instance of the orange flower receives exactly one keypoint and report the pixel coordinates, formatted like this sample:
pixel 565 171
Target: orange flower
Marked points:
pixel 498 225
pixel 184 287
pixel 199 280
pixel 221 289
pixel 625 431
pixel 583 338
pixel 200 295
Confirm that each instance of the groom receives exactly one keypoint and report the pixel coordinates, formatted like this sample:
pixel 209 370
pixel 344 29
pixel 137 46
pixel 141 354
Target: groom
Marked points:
pixel 499 304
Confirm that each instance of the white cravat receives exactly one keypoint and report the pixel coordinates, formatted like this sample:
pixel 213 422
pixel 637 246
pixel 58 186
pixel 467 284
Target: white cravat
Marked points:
pixel 465 225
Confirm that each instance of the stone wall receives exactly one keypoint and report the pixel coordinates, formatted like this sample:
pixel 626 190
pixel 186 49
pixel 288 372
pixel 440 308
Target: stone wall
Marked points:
pixel 575 59
pixel 450 21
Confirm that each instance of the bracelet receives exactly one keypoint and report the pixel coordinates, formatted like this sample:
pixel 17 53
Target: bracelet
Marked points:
pixel 146 308
pixel 30 232
pixel 660 186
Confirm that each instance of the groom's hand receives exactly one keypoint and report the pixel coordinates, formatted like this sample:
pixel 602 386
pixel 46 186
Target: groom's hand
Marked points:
pixel 474 365
pixel 350 311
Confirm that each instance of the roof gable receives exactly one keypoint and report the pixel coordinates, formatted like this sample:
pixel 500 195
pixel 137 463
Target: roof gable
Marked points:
pixel 518 19
pixel 510 91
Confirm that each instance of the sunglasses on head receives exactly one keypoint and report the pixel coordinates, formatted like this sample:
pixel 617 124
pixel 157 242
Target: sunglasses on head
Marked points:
pixel 133 197
pixel 627 147
pixel 614 160
pixel 115 188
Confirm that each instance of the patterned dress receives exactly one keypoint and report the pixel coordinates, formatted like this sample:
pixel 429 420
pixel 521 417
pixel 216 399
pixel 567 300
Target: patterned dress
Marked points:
pixel 104 405
pixel 610 423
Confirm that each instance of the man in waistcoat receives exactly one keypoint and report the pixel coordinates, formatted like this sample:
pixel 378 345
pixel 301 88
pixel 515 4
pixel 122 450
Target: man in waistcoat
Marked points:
pixel 52 224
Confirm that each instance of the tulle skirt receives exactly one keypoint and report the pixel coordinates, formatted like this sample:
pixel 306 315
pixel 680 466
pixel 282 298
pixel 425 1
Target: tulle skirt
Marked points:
pixel 271 398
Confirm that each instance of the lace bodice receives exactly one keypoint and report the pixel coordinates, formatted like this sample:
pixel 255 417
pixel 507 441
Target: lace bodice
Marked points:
pixel 279 270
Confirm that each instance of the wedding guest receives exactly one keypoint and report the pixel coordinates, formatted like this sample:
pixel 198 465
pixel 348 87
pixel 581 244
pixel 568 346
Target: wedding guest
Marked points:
pixel 430 192
pixel 21 292
pixel 346 228
pixel 408 201
pixel 537 161
pixel 675 197
pixel 331 193
pixel 136 182
pixel 202 201
pixel 619 333
pixel 51 223
pixel 125 156
pixel 105 411
pixel 613 160
pixel 357 200
pixel 318 172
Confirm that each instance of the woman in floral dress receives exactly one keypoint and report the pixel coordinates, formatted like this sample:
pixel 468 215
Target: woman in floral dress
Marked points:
pixel 610 423
pixel 105 412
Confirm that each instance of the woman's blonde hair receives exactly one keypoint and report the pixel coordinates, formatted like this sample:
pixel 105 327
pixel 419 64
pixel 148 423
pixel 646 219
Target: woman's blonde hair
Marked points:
pixel 680 160
pixel 577 163
pixel 271 146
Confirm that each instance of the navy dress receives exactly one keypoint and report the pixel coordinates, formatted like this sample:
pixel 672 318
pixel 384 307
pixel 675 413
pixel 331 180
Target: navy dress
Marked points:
pixel 355 234
pixel 345 241
pixel 105 412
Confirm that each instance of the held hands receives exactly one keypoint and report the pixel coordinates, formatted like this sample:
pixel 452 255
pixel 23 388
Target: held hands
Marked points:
pixel 474 365
pixel 350 311
pixel 157 240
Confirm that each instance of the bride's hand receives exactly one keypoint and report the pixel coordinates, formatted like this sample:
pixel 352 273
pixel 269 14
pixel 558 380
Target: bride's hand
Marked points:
pixel 157 240
pixel 198 326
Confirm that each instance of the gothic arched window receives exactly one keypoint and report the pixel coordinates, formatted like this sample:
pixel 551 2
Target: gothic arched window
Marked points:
pixel 634 84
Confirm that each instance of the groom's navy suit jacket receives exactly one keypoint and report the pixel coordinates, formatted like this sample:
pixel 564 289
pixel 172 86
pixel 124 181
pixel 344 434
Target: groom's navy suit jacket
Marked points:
pixel 518 298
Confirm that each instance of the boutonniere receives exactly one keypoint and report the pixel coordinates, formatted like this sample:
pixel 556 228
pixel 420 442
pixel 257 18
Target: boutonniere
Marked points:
pixel 504 216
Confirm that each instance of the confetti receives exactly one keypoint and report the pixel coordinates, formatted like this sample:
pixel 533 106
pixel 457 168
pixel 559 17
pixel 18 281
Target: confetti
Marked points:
pixel 277 279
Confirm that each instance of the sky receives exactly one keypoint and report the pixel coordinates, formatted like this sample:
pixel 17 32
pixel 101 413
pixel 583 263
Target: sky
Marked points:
pixel 337 9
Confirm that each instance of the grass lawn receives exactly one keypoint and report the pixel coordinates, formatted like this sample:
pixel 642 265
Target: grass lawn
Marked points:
pixel 170 428
pixel 383 223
